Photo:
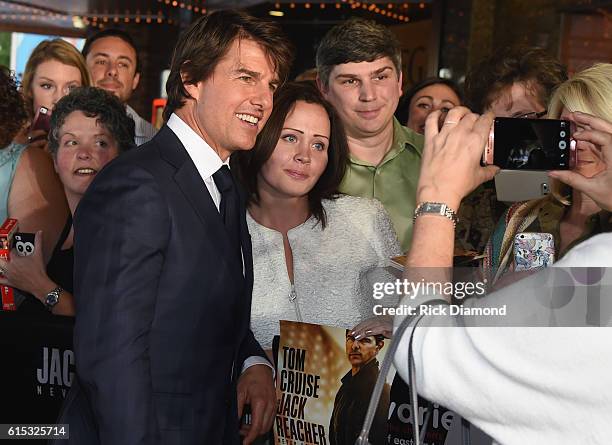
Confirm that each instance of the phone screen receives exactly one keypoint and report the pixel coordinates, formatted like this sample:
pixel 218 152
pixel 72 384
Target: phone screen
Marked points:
pixel 532 144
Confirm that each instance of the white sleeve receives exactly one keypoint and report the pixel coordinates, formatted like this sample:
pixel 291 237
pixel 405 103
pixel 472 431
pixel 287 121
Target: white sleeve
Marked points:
pixel 519 384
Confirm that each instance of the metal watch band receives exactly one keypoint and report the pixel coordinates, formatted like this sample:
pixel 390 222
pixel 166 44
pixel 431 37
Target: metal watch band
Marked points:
pixel 436 208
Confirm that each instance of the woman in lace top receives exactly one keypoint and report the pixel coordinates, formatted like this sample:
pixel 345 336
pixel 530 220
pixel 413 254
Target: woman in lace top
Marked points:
pixel 316 253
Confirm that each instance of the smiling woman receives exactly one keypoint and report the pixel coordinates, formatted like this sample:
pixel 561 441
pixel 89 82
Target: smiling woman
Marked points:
pixel 89 128
pixel 316 253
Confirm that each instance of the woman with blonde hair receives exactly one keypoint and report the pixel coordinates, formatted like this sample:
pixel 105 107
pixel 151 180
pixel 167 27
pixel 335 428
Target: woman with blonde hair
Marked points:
pixel 54 68
pixel 569 215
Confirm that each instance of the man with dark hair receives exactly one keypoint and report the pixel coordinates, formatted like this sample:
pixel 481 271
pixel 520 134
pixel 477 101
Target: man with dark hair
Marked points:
pixel 163 263
pixel 353 397
pixel 359 72
pixel 112 61
pixel 512 82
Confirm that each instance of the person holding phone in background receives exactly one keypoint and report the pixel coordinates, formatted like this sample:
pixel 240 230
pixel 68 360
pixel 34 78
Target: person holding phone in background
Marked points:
pixel 513 82
pixel 569 215
pixel 39 204
pixel 53 69
pixel 541 374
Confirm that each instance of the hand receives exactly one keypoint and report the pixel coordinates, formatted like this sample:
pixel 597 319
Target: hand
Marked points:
pixel 256 388
pixel 451 168
pixel 599 133
pixel 38 139
pixel 379 325
pixel 28 273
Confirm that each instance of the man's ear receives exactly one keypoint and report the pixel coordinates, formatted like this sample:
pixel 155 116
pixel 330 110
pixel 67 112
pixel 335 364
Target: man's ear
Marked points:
pixel 135 81
pixel 380 345
pixel 192 89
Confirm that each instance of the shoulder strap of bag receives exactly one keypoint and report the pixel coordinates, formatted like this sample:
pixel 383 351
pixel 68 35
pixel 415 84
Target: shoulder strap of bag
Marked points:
pixel 413 321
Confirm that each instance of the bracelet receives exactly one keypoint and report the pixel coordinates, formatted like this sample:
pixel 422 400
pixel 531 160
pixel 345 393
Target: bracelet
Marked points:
pixel 436 208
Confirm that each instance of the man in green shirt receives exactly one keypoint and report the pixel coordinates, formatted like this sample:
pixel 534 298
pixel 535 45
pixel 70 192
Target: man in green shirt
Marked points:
pixel 359 72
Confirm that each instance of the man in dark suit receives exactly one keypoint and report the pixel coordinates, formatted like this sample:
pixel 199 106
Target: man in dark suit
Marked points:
pixel 353 396
pixel 163 265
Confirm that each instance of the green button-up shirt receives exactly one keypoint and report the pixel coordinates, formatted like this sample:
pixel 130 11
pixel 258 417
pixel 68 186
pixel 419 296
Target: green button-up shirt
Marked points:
pixel 393 182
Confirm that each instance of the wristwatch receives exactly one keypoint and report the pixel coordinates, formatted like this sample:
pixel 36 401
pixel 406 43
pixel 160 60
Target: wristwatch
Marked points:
pixel 52 298
pixel 436 208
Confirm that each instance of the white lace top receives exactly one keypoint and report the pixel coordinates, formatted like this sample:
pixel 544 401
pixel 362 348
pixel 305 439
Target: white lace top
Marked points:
pixel 333 268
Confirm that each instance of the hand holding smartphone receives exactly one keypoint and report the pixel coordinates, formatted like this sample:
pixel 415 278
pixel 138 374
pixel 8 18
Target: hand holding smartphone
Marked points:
pixel 42 120
pixel 530 144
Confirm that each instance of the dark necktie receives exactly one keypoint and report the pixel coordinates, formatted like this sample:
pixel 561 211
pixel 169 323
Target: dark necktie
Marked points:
pixel 228 208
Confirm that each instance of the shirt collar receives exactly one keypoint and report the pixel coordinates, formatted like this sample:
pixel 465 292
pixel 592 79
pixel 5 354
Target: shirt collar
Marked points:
pixel 206 160
pixel 403 138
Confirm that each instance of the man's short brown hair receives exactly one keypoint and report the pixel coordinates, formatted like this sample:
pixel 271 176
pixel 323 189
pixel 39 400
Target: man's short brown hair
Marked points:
pixel 206 42
pixel 356 40
pixel 541 73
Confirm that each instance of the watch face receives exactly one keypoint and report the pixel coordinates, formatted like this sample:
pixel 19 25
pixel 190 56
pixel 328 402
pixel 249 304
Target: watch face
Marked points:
pixel 432 207
pixel 52 299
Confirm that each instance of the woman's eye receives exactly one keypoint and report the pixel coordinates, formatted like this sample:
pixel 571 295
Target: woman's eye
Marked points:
pixel 101 143
pixel 70 143
pixel 46 86
pixel 319 146
pixel 290 138
pixel 445 109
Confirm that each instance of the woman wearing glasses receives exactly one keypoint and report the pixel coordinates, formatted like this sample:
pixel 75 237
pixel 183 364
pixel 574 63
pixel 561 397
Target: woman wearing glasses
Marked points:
pixel 512 82
pixel 569 215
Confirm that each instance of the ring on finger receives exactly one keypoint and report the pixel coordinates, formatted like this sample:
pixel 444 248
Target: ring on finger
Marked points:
pixel 450 122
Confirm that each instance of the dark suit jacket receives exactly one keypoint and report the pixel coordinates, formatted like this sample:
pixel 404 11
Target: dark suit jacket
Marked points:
pixel 163 308
pixel 351 405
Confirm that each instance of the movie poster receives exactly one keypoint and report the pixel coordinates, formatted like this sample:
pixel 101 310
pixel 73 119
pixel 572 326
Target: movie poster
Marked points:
pixel 325 380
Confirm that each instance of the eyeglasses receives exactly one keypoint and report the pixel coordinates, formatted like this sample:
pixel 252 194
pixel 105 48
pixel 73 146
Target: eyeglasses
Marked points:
pixel 532 115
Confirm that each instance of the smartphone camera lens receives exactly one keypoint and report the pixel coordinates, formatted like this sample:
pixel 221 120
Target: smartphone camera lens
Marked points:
pixel 562 145
pixel 562 134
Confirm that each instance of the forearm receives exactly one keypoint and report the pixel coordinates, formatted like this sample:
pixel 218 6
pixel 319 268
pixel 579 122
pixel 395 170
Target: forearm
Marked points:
pixel 65 304
pixel 431 255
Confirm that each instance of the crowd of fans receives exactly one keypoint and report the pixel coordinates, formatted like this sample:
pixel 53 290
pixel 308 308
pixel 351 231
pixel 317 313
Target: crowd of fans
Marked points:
pixel 331 182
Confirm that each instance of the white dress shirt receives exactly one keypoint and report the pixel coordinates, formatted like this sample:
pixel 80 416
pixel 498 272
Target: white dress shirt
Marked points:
pixel 143 130
pixel 207 162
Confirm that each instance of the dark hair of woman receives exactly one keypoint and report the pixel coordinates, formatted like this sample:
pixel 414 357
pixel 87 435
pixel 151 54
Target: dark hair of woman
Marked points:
pixel 12 108
pixel 403 109
pixel 98 103
pixel 247 164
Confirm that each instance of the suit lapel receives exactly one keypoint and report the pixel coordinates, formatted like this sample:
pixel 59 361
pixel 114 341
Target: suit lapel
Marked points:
pixel 193 188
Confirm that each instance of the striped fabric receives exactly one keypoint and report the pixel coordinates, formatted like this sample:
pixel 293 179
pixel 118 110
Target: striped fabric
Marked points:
pixel 143 130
